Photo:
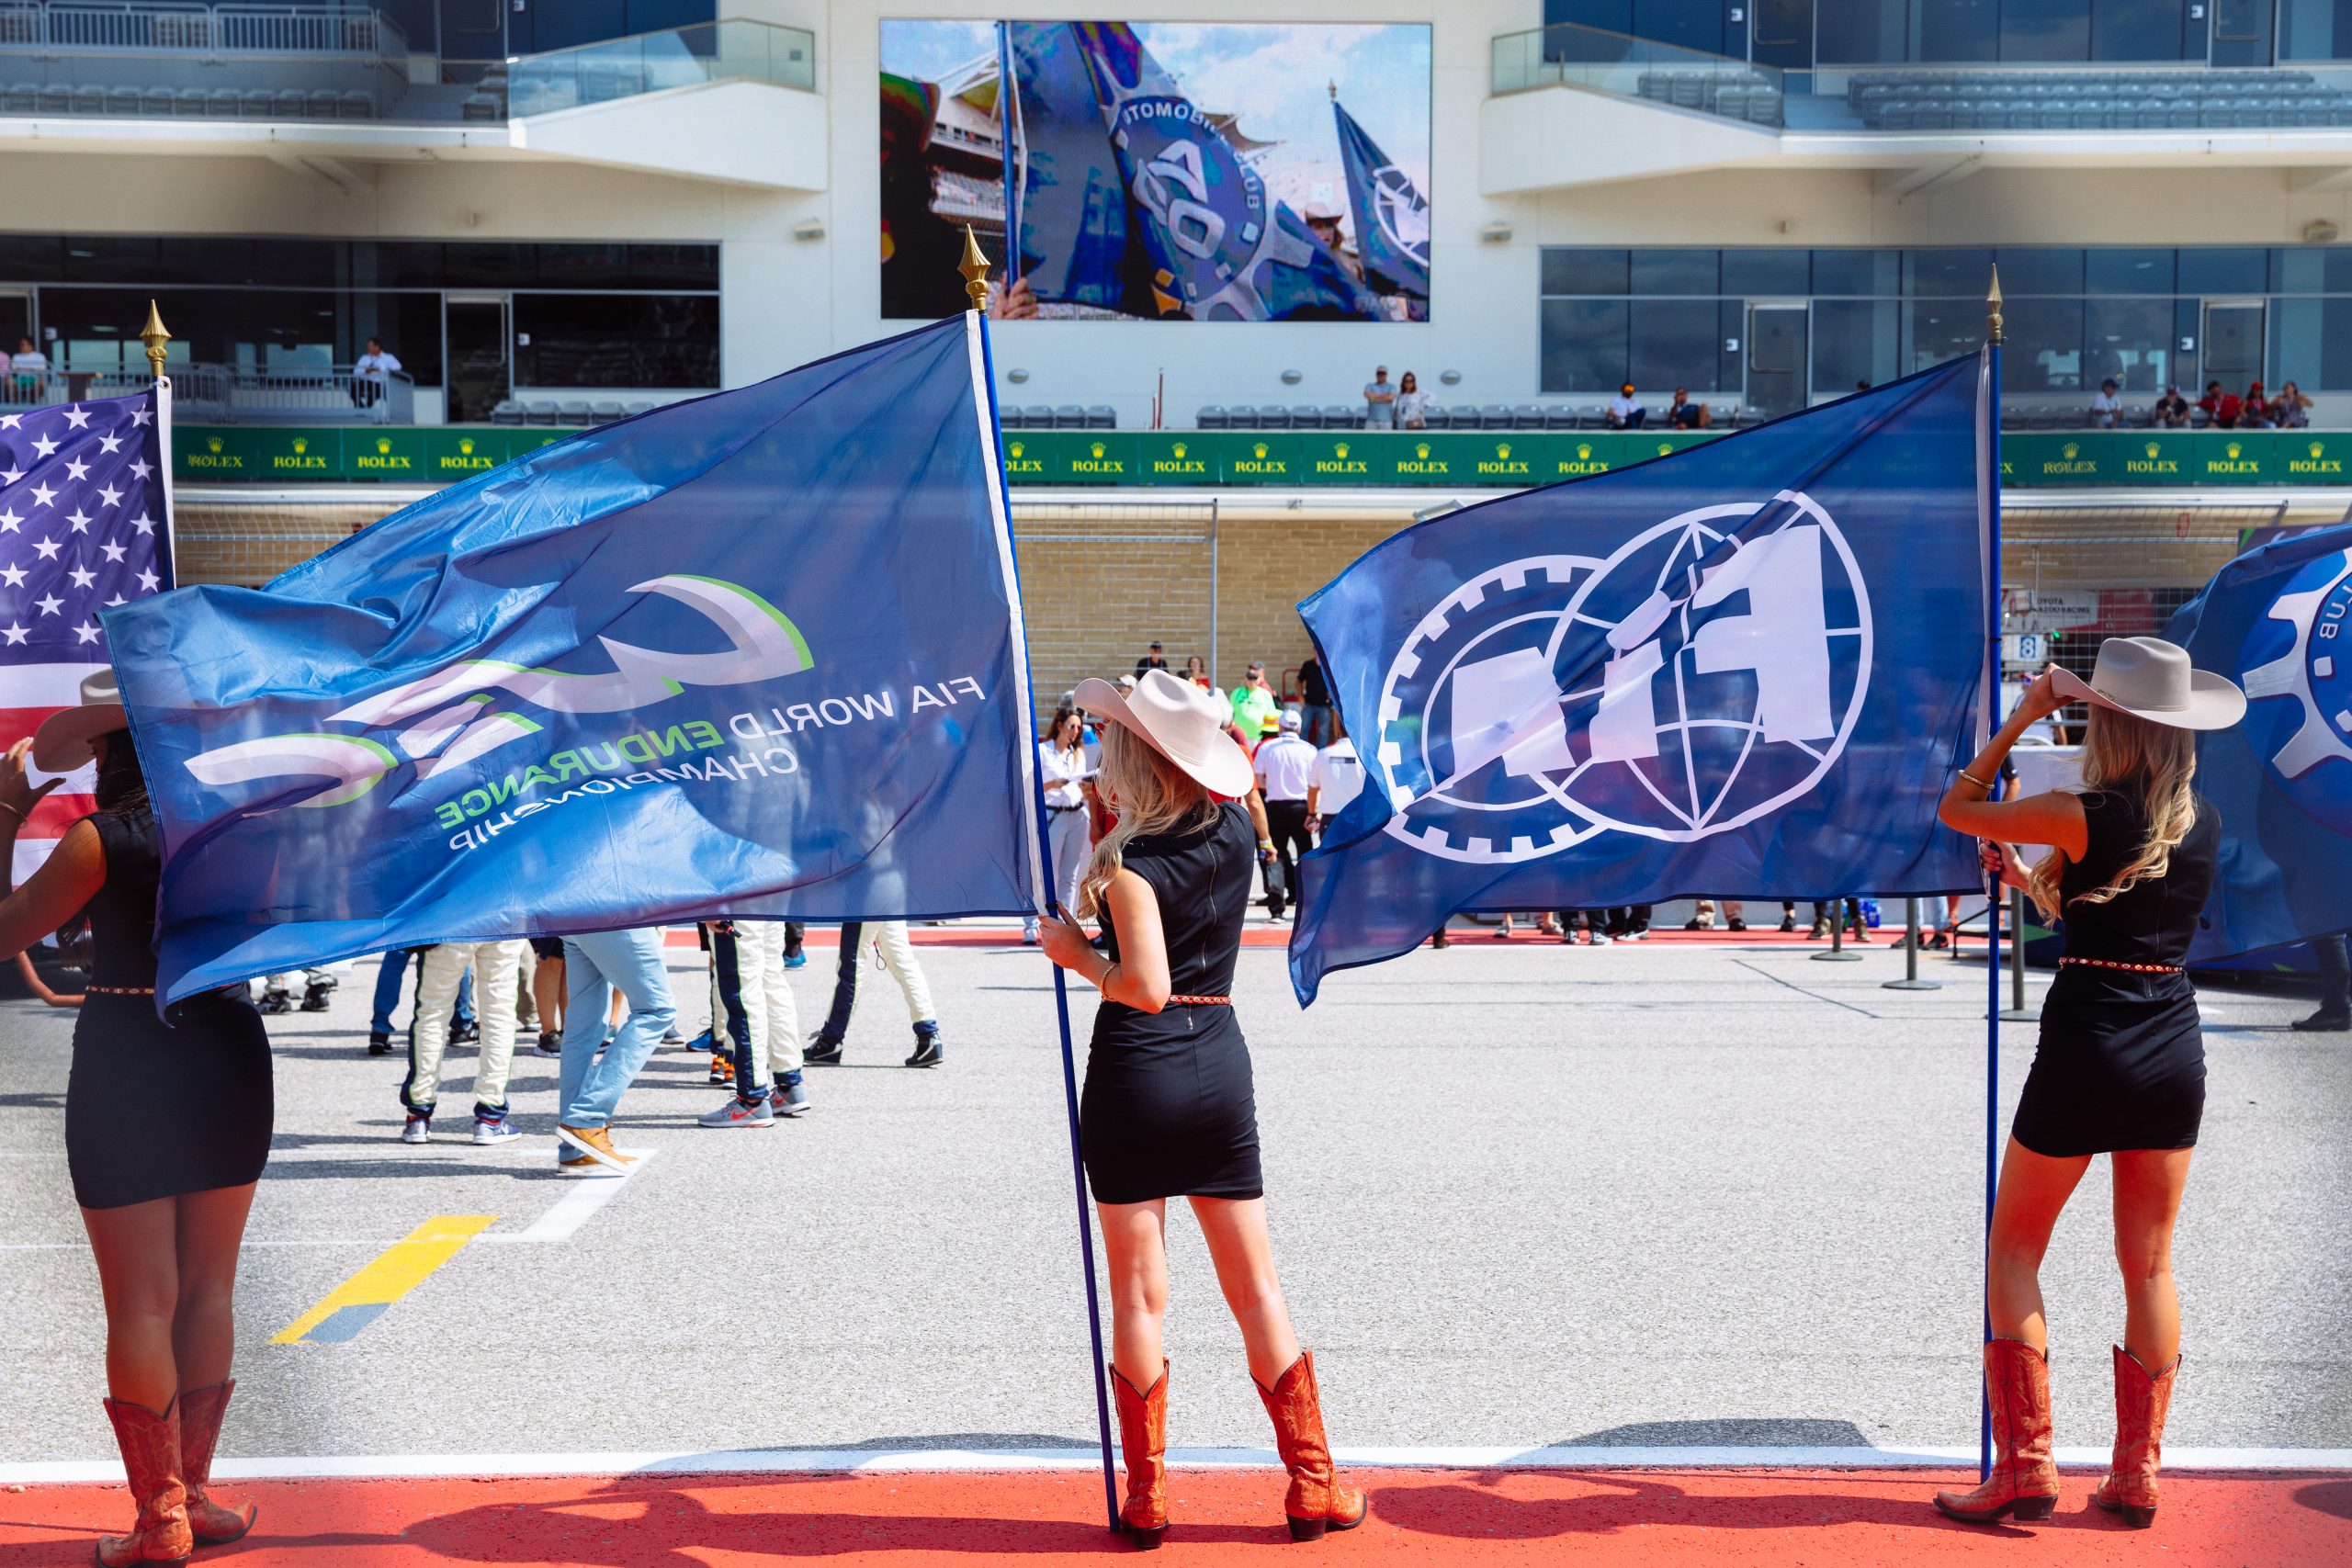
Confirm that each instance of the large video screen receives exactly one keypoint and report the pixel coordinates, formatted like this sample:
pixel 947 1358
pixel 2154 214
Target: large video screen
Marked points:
pixel 1158 171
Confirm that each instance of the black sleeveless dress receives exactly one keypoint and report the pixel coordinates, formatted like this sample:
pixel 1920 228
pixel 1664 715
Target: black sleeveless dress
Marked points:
pixel 2122 1060
pixel 1168 1109
pixel 155 1110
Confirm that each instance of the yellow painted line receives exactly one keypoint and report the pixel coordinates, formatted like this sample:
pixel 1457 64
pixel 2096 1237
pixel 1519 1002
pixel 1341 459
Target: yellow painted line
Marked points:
pixel 398 1270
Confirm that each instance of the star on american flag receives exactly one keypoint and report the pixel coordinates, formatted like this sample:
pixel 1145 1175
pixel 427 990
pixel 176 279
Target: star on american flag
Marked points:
pixel 84 525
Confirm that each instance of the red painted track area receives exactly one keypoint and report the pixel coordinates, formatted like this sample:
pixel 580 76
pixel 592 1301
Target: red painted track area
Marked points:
pixel 1655 1519
pixel 1279 936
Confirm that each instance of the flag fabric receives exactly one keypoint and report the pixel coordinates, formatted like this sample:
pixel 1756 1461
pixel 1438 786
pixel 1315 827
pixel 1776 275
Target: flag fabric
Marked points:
pixel 85 524
pixel 1392 217
pixel 759 654
pixel 1747 670
pixel 1128 197
pixel 2273 621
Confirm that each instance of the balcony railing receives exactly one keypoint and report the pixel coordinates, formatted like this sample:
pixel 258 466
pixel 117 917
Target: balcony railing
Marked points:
pixel 1933 99
pixel 225 394
pixel 97 59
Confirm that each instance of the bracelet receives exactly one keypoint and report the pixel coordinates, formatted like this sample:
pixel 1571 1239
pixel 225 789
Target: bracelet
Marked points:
pixel 1103 985
pixel 1972 778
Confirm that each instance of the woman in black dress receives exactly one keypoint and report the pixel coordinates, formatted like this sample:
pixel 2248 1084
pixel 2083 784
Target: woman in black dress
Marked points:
pixel 1168 1109
pixel 166 1130
pixel 2121 1068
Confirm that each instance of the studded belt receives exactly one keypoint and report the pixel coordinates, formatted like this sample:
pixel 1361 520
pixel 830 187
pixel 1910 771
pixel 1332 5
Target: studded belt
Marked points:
pixel 1200 1001
pixel 119 990
pixel 2127 969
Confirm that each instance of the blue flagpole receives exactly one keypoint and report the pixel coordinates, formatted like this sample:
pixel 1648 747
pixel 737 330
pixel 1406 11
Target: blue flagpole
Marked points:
pixel 977 281
pixel 1992 897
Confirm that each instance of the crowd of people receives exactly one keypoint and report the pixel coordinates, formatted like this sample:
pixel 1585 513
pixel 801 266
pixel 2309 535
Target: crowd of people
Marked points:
pixel 2289 408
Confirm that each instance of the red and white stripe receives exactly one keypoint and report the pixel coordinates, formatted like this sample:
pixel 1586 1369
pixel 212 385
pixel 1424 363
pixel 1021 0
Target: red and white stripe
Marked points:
pixel 29 694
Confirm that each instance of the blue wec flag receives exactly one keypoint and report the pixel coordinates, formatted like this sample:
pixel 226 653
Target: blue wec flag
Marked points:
pixel 2274 620
pixel 1392 217
pixel 757 654
pixel 1747 670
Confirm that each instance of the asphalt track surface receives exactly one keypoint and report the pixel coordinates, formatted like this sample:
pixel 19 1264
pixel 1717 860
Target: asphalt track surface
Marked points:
pixel 1670 1204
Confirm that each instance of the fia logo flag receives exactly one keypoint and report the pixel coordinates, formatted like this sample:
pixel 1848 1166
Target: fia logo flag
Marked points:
pixel 1128 197
pixel 757 654
pixel 1745 670
pixel 2274 620
pixel 1392 218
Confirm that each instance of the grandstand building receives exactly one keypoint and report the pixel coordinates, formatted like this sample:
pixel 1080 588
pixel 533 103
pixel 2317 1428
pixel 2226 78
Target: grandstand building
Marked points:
pixel 558 213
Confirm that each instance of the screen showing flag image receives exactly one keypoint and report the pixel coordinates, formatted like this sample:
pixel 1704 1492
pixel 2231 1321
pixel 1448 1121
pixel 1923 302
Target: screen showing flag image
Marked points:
pixel 1158 171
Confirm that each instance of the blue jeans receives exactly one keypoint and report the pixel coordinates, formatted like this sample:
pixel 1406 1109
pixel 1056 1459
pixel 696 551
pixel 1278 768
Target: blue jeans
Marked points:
pixel 1315 722
pixel 388 989
pixel 593 966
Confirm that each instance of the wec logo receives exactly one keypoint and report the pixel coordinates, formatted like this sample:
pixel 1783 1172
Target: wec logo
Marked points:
pixel 447 718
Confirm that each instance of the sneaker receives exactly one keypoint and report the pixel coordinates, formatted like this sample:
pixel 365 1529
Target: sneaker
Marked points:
pixel 466 1033
pixel 314 996
pixel 735 1113
pixel 498 1131
pixel 2325 1022
pixel 1788 923
pixel 824 1050
pixel 1736 924
pixel 722 1069
pixel 550 1043
pixel 929 1049
pixel 671 1037
pixel 1697 924
pixel 787 1099
pixel 699 1042
pixel 274 1000
pixel 796 960
pixel 596 1142
pixel 417 1130
pixel 380 1044
pixel 1598 938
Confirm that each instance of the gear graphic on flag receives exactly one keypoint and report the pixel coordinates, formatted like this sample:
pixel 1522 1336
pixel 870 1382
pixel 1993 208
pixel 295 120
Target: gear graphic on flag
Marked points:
pixel 1710 670
pixel 2298 690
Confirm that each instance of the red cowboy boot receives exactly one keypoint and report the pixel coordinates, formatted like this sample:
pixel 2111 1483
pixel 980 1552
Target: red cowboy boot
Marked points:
pixel 2024 1482
pixel 1143 1439
pixel 151 1461
pixel 200 1413
pixel 1316 1501
pixel 2142 1402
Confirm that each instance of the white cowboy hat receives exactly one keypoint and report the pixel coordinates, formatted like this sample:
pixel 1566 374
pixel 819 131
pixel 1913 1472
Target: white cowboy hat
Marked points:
pixel 62 742
pixel 1180 721
pixel 2150 678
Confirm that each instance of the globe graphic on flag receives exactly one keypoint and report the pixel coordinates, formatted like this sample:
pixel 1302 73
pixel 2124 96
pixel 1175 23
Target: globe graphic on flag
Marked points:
pixel 1708 673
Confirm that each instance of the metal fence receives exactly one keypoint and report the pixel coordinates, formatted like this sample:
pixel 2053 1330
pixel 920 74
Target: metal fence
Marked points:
pixel 87 26
pixel 1148 569
pixel 223 394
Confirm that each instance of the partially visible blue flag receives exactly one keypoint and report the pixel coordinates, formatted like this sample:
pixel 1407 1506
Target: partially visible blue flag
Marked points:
pixel 1747 670
pixel 757 654
pixel 2274 620
pixel 1130 198
pixel 1392 217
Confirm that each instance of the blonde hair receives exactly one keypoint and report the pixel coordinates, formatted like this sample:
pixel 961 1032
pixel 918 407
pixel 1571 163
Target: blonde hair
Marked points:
pixel 2127 754
pixel 1150 794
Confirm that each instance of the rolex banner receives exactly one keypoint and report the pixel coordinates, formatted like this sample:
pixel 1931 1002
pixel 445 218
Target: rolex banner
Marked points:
pixel 758 654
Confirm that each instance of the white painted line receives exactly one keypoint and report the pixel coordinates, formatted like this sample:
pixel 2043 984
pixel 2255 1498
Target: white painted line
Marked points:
pixel 791 1462
pixel 571 1210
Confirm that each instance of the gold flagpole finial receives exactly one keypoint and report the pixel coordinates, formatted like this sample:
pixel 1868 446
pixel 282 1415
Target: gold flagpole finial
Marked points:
pixel 1334 87
pixel 154 335
pixel 1992 308
pixel 975 269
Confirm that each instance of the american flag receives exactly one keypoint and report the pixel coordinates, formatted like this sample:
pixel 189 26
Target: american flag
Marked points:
pixel 84 524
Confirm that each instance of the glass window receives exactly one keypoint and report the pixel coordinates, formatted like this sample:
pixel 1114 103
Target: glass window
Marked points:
pixel 1937 330
pixel 674 266
pixel 2044 351
pixel 2129 271
pixel 1957 31
pixel 252 328
pixel 1583 345
pixel 2131 340
pixel 1963 274
pixel 1858 272
pixel 488 265
pixel 1862 32
pixel 2136 29
pixel 1584 271
pixel 2312 269
pixel 32 258
pixel 615 340
pixel 1854 340
pixel 2214 269
pixel 2310 344
pixel 1672 344
pixel 1673 272
pixel 2055 31
pixel 1693 24
pixel 2039 269
pixel 1783 274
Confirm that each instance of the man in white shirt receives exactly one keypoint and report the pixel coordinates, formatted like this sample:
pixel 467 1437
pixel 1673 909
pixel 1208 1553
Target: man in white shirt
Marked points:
pixel 371 373
pixel 27 367
pixel 1625 411
pixel 2106 408
pixel 1283 764
pixel 1332 783
pixel 1063 768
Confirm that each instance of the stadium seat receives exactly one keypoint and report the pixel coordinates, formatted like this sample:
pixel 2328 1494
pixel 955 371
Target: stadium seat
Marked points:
pixel 1273 417
pixel 575 411
pixel 480 106
pixel 260 103
pixel 292 102
pixel 542 414
pixel 1495 416
pixel 1527 416
pixel 157 102
pixel 1212 416
pixel 1342 416
pixel 322 102
pixel 508 412
pixel 1593 416
pixel 1008 417
pixel 1101 416
pixel 56 100
pixel 91 100
pixel 1069 416
pixel 1559 416
pixel 1436 418
pixel 1306 416
pixel 222 103
pixel 190 102
pixel 641 405
pixel 1241 416
pixel 1038 416
pixel 20 97
pixel 606 412
pixel 358 104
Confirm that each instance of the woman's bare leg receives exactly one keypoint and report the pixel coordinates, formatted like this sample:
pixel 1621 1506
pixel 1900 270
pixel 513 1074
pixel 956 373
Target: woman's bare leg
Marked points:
pixel 138 1279
pixel 204 1330
pixel 1134 1244
pixel 1244 1254
pixel 2034 1188
pixel 2148 1184
pixel 548 995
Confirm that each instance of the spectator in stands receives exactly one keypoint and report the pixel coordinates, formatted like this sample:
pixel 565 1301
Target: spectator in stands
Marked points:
pixel 1625 411
pixel 2171 412
pixel 2291 409
pixel 1412 404
pixel 2253 408
pixel 1197 671
pixel 2220 408
pixel 2106 409
pixel 371 373
pixel 1253 705
pixel 1379 401
pixel 1152 659
pixel 25 367
pixel 1684 415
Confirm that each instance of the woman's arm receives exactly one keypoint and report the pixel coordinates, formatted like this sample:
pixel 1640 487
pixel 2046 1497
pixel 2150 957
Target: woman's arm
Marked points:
pixel 64 885
pixel 1139 979
pixel 2054 819
pixel 39 987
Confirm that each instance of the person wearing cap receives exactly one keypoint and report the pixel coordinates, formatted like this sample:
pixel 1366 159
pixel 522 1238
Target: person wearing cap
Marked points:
pixel 1379 401
pixel 1625 412
pixel 2119 1069
pixel 2106 409
pixel 1169 1110
pixel 1284 765
pixel 1253 703
pixel 1153 659
pixel 2171 412
pixel 167 1127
